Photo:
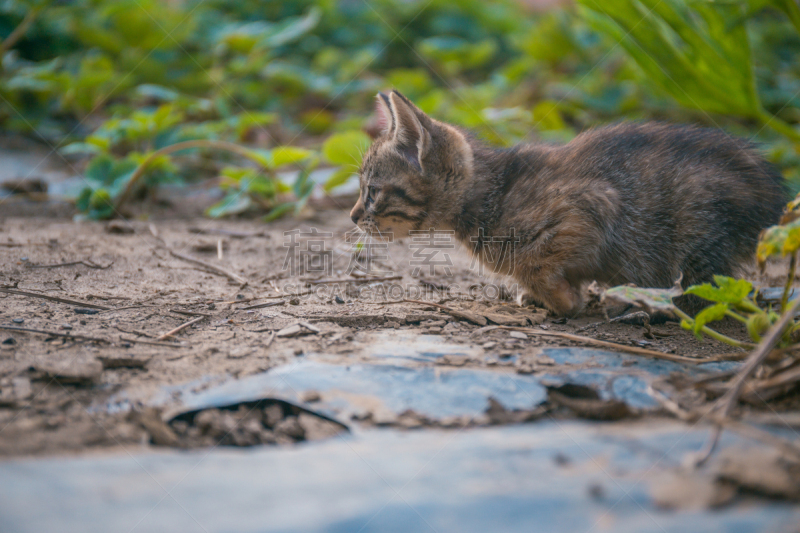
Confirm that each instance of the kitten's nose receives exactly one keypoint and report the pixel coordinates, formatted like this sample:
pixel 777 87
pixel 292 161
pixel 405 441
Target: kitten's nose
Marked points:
pixel 357 212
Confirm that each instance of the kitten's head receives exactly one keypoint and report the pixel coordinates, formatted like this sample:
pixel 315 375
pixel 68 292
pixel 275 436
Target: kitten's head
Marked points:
pixel 415 175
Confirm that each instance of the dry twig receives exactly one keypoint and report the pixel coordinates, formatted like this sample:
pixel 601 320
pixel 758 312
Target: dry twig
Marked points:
pixel 76 336
pixel 259 306
pixel 180 328
pixel 208 266
pixel 55 299
pixel 88 263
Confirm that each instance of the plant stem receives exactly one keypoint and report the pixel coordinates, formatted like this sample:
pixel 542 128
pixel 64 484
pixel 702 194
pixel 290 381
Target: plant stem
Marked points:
pixel 714 334
pixel 736 316
pixel 19 31
pixel 200 143
pixel 748 305
pixel 790 278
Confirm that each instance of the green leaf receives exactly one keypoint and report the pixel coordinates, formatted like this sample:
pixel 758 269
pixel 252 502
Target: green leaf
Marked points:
pixel 698 52
pixel 728 290
pixel 709 314
pixel 263 157
pixel 238 174
pixel 101 206
pixel 262 186
pixel 779 241
pixel 234 203
pixel 82 201
pixel 278 211
pixel 649 299
pixel 82 148
pixel 303 186
pixel 287 155
pixel 293 28
pixel 339 177
pixel 99 168
pixel 346 148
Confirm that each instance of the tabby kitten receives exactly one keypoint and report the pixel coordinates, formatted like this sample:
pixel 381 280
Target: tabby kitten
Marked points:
pixel 629 203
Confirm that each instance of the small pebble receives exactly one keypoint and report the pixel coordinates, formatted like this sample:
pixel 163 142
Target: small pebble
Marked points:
pixel 298 351
pixel 561 460
pixel 517 335
pixel 338 299
pixel 294 301
pixel 596 491
pixel 66 326
pixel 311 396
pixel 86 311
pixel 10 341
pixel 17 320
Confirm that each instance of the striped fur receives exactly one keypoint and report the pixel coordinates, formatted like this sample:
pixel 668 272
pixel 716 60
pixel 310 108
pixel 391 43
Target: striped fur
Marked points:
pixel 636 203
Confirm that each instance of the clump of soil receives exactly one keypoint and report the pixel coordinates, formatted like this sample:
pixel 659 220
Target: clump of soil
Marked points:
pixel 251 424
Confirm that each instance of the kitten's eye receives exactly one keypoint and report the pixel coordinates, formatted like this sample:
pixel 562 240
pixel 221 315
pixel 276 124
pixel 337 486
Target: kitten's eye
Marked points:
pixel 372 192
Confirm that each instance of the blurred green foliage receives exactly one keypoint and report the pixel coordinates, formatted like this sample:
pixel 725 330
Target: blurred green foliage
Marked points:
pixel 111 82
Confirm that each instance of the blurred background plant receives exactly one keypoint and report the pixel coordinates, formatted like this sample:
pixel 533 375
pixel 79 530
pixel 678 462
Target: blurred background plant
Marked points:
pixel 281 93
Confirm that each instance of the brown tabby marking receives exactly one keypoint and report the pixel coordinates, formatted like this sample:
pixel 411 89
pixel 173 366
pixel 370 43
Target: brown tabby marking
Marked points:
pixel 629 203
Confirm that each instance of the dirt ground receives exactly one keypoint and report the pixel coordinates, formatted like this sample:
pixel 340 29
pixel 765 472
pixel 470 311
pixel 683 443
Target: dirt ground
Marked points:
pixel 131 289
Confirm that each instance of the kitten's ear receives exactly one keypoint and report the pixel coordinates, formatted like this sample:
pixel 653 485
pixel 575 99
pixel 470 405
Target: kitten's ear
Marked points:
pixel 383 110
pixel 412 139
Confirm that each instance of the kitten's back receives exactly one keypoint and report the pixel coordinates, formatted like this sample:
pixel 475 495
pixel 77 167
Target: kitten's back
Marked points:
pixel 689 199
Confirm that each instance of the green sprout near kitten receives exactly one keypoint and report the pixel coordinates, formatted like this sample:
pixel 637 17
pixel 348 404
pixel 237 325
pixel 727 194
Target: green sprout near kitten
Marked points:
pixel 734 298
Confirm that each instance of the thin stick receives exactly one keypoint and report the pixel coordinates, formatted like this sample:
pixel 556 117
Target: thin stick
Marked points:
pixel 259 306
pixel 127 307
pixel 189 313
pixel 267 297
pixel 271 338
pixel 219 249
pixel 90 264
pixel 789 280
pixel 54 299
pixel 180 328
pixel 154 343
pixel 605 344
pixel 78 336
pixel 19 31
pixel 725 404
pixel 348 280
pixel 213 268
pixel 135 332
pixel 55 334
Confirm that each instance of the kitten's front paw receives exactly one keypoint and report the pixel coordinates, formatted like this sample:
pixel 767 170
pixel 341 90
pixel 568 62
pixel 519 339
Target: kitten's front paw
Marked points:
pixel 524 299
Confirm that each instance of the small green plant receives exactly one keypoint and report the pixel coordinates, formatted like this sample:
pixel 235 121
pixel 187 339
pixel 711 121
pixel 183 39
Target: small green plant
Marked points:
pixel 112 182
pixel 734 298
pixel 126 78
pixel 698 52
